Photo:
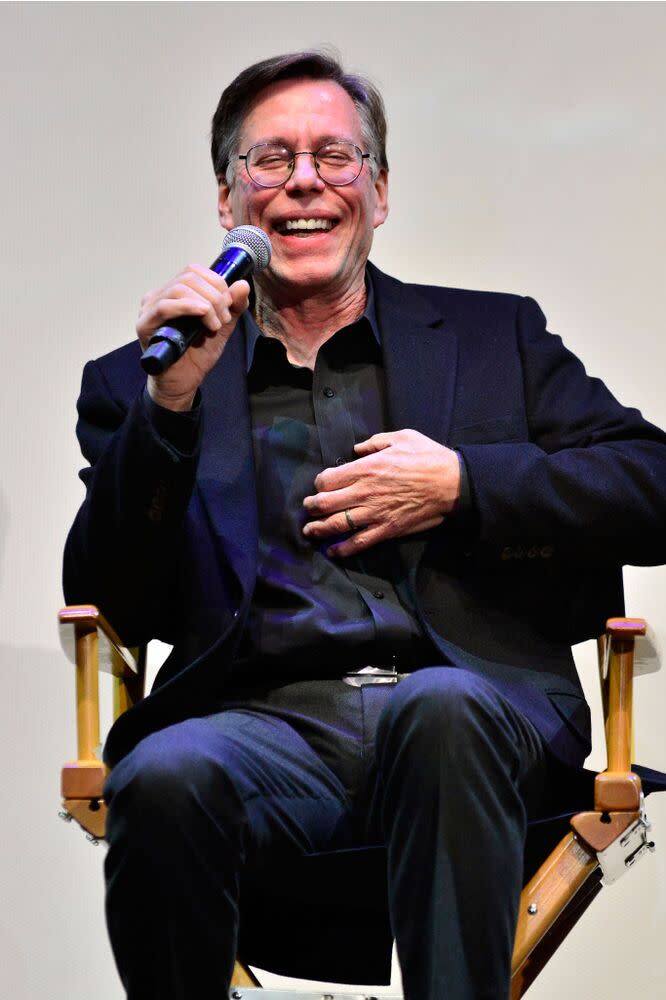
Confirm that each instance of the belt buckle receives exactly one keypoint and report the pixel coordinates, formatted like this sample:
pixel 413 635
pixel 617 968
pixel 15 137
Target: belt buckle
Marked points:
pixel 371 675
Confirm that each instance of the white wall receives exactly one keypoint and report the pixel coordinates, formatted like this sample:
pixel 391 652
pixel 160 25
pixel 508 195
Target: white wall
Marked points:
pixel 527 153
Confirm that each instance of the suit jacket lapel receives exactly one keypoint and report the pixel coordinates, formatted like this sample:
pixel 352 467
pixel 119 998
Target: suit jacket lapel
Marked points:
pixel 226 469
pixel 420 357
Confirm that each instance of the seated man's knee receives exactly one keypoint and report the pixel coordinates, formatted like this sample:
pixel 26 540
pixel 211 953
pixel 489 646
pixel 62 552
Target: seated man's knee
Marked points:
pixel 436 696
pixel 438 709
pixel 166 776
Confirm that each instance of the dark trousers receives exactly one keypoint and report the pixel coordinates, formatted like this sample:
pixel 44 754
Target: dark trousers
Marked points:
pixel 439 767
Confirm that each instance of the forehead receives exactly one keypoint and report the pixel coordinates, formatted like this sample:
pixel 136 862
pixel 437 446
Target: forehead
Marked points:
pixel 301 108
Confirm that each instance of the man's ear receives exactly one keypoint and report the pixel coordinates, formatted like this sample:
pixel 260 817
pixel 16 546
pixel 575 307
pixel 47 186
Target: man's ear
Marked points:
pixel 224 211
pixel 381 198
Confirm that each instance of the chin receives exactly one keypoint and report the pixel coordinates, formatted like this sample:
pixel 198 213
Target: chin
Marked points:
pixel 307 274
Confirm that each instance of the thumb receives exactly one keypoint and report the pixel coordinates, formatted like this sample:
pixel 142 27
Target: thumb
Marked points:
pixel 240 297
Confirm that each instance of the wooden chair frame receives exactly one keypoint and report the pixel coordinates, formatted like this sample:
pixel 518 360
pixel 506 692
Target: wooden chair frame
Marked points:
pixel 553 899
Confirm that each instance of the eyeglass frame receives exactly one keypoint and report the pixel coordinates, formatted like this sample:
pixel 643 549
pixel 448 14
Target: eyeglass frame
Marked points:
pixel 305 152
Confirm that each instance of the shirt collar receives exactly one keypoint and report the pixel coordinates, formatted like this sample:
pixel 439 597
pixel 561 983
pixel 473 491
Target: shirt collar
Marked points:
pixel 252 333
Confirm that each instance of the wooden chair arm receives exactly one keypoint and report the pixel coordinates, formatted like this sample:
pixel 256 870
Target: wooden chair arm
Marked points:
pixel 617 789
pixel 96 646
pixel 126 662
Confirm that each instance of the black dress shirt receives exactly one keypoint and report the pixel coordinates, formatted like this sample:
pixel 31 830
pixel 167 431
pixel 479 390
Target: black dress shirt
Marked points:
pixel 311 615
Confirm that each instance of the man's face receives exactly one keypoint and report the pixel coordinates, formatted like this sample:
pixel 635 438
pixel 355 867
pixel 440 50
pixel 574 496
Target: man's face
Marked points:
pixel 303 114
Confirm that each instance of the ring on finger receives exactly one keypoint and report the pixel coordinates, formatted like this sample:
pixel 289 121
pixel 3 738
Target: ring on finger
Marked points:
pixel 350 521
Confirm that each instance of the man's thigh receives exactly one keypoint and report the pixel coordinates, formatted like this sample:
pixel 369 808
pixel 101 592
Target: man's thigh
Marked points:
pixel 247 773
pixel 447 727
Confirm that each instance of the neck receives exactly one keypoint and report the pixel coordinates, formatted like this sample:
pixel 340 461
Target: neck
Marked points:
pixel 304 324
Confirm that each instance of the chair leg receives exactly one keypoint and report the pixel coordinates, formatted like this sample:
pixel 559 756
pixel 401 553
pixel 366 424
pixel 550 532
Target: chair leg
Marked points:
pixel 523 978
pixel 544 903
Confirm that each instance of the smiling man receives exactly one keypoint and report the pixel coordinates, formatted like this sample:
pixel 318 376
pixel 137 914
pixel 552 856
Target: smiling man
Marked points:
pixel 370 518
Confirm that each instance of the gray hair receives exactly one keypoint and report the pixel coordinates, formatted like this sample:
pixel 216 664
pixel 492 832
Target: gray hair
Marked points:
pixel 236 99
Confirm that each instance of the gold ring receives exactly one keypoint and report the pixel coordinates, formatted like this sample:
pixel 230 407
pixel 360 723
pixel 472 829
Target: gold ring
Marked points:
pixel 350 521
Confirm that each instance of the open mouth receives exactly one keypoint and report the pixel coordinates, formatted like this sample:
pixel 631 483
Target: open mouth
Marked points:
pixel 305 226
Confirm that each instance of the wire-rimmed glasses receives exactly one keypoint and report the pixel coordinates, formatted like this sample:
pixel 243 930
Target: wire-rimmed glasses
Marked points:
pixel 271 164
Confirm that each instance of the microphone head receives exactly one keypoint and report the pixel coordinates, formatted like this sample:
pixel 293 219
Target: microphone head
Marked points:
pixel 253 240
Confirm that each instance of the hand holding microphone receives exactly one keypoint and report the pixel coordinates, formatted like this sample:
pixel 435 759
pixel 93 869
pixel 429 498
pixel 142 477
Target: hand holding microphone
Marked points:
pixel 199 304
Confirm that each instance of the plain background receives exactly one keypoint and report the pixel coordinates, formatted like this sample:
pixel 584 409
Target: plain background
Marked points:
pixel 527 154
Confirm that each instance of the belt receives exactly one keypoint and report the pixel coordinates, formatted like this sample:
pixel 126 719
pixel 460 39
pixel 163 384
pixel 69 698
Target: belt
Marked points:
pixel 372 675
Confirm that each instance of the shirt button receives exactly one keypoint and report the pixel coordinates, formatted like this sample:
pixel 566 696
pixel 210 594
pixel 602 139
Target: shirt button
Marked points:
pixel 328 391
pixel 379 594
pixel 339 461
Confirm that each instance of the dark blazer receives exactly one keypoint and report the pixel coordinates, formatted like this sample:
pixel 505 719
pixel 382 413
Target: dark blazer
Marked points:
pixel 566 486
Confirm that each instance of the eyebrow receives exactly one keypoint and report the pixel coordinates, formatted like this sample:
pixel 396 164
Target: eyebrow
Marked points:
pixel 280 140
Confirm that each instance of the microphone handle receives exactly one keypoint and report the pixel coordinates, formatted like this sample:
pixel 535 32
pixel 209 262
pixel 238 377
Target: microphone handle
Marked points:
pixel 169 343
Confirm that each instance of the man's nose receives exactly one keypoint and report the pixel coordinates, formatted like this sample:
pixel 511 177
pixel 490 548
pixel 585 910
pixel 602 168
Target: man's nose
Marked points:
pixel 304 176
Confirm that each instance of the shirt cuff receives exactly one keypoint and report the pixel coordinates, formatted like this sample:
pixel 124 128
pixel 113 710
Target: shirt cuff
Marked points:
pixel 465 513
pixel 179 430
pixel 464 504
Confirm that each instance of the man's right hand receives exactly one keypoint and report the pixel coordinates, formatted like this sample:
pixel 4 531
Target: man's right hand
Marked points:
pixel 196 291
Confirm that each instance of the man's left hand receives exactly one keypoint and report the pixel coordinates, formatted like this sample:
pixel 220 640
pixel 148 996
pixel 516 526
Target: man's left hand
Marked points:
pixel 401 483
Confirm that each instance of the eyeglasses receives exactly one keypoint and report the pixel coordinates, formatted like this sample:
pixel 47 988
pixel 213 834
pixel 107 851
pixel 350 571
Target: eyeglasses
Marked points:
pixel 270 164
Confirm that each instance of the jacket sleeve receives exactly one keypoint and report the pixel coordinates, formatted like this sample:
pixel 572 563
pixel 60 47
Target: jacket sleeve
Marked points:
pixel 590 483
pixel 123 545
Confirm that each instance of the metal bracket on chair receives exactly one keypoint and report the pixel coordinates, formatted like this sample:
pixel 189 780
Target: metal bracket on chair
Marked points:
pixel 627 849
pixel 258 993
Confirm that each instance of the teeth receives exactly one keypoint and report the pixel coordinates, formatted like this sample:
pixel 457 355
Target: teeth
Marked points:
pixel 292 224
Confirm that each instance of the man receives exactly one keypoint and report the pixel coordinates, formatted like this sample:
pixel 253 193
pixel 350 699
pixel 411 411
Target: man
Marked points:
pixel 345 472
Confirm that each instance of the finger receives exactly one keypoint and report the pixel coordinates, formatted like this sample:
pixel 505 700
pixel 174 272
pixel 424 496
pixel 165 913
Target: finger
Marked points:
pixel 214 290
pixel 226 303
pixel 186 304
pixel 194 275
pixel 375 443
pixel 234 297
pixel 339 477
pixel 201 279
pixel 372 534
pixel 338 524
pixel 329 501
pixel 357 542
pixel 197 272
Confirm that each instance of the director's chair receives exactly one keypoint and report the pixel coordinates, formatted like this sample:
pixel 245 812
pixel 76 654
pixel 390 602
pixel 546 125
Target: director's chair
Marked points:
pixel 593 847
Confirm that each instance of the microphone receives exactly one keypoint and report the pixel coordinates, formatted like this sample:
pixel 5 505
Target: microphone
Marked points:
pixel 245 249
